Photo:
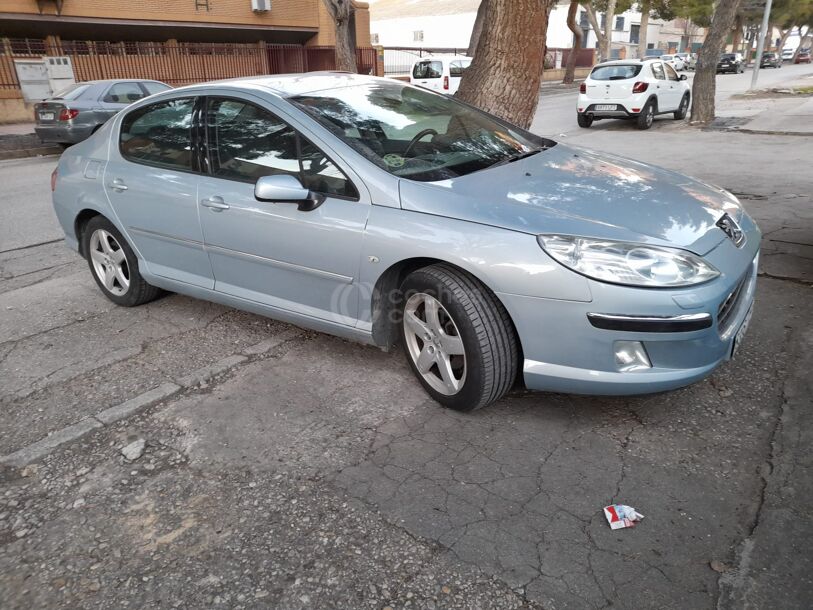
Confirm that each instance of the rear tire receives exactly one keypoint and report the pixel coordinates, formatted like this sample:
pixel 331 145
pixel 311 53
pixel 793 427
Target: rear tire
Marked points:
pixel 584 120
pixel 680 113
pixel 647 116
pixel 114 265
pixel 457 337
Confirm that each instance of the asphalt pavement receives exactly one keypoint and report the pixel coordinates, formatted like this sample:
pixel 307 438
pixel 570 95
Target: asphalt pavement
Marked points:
pixel 290 469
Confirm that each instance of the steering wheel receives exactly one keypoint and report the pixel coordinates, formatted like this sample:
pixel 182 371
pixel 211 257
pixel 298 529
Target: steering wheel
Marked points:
pixel 422 133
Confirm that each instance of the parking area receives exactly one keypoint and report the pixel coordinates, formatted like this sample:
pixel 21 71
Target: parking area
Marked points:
pixel 286 468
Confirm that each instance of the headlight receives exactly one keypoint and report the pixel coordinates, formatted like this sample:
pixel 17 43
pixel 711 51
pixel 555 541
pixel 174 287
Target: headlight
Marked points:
pixel 628 263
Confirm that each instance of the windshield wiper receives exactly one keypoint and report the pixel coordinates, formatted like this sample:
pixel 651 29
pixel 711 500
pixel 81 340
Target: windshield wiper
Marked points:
pixel 517 157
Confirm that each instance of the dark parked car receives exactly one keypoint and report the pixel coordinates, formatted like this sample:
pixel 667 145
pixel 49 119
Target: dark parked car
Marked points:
pixel 770 60
pixel 803 57
pixel 731 62
pixel 74 113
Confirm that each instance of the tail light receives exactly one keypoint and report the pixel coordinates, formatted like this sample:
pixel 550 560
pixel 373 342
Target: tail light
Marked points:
pixel 640 87
pixel 66 114
pixel 583 88
pixel 446 83
pixel 54 175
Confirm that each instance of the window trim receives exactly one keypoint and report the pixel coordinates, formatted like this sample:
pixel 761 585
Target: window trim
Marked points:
pixel 206 153
pixel 192 145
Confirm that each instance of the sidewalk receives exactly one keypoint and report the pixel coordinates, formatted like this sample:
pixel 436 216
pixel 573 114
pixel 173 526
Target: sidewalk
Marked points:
pixel 19 140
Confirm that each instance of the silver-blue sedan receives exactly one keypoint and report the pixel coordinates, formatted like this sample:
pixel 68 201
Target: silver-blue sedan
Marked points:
pixel 385 213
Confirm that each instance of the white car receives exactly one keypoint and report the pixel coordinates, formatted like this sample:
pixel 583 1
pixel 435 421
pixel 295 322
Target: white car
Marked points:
pixel 441 73
pixel 633 89
pixel 787 54
pixel 676 61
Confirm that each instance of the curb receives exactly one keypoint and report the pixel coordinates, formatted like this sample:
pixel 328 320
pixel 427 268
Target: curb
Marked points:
pixel 39 449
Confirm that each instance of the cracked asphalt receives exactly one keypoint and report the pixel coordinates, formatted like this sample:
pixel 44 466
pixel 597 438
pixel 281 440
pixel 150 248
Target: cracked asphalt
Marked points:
pixel 315 472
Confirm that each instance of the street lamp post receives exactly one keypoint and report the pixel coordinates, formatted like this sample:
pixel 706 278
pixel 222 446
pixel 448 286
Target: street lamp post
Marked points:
pixel 761 43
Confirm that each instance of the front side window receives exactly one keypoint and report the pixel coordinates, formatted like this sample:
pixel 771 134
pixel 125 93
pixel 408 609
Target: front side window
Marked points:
pixel 657 71
pixel 123 93
pixel 159 134
pixel 246 142
pixel 415 133
pixel 670 72
pixel 427 69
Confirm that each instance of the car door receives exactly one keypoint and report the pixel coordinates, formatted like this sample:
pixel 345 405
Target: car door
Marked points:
pixel 661 86
pixel 674 87
pixel 271 252
pixel 152 184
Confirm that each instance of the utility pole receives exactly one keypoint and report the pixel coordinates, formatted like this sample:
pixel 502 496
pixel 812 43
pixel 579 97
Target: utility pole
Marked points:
pixel 761 44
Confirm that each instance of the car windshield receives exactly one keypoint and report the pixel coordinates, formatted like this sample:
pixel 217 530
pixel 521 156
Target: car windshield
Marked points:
pixel 71 92
pixel 615 72
pixel 415 133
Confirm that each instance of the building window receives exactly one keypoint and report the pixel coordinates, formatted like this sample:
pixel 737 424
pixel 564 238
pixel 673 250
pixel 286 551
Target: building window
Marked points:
pixel 374 38
pixel 417 35
pixel 650 45
pixel 603 23
pixel 619 24
pixel 635 33
pixel 584 23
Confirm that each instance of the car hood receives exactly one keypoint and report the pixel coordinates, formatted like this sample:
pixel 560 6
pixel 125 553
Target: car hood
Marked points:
pixel 573 191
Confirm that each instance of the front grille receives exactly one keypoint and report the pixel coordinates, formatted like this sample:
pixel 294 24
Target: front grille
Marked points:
pixel 729 306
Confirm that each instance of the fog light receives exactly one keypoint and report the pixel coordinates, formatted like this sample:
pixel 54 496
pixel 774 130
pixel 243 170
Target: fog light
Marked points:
pixel 631 356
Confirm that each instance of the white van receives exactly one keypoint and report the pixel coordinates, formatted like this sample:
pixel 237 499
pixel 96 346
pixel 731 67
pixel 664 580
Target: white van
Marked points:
pixel 441 73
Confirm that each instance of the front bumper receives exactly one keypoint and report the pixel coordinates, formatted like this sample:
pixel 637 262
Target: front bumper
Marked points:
pixel 565 351
pixel 64 133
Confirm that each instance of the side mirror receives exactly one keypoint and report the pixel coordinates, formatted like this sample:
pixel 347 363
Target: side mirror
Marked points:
pixel 683 77
pixel 284 188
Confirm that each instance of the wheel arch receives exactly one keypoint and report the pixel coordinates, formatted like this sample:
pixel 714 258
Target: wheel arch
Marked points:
pixel 80 222
pixel 386 299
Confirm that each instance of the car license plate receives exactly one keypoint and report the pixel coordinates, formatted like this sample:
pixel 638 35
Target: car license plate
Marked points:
pixel 741 332
pixel 605 107
pixel 46 116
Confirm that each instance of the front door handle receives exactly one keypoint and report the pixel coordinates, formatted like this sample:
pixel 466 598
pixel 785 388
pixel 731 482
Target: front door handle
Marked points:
pixel 118 185
pixel 216 203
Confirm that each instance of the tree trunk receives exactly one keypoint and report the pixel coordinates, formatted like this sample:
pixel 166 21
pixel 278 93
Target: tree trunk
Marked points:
pixel 736 39
pixel 609 19
pixel 342 13
pixel 703 88
pixel 570 68
pixel 642 32
pixel 477 29
pixel 591 17
pixel 500 80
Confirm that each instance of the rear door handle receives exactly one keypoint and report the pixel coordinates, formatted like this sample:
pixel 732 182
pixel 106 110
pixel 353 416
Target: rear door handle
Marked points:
pixel 216 203
pixel 118 185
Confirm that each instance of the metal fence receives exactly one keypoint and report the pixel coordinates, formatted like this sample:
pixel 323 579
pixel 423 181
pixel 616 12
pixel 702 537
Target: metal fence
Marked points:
pixel 398 60
pixel 176 64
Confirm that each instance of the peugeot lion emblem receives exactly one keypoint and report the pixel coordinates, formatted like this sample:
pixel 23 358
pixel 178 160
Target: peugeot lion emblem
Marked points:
pixel 731 229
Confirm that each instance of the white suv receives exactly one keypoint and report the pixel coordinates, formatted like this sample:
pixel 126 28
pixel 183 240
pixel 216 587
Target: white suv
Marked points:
pixel 632 89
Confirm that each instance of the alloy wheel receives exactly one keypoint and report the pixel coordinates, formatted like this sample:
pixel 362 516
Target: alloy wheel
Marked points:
pixel 109 262
pixel 650 115
pixel 434 344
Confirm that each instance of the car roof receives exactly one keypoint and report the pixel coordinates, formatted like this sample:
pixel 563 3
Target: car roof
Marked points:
pixel 286 85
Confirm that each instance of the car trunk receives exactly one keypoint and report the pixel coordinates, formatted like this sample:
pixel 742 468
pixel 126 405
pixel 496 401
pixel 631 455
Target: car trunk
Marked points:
pixel 47 112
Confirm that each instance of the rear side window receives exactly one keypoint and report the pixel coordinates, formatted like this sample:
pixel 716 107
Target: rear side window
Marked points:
pixel 159 134
pixel 123 93
pixel 152 87
pixel 616 72
pixel 457 67
pixel 427 69
pixel 657 71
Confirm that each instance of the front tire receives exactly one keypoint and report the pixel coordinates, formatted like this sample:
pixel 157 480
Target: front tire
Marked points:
pixel 114 265
pixel 647 116
pixel 584 120
pixel 680 113
pixel 457 337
